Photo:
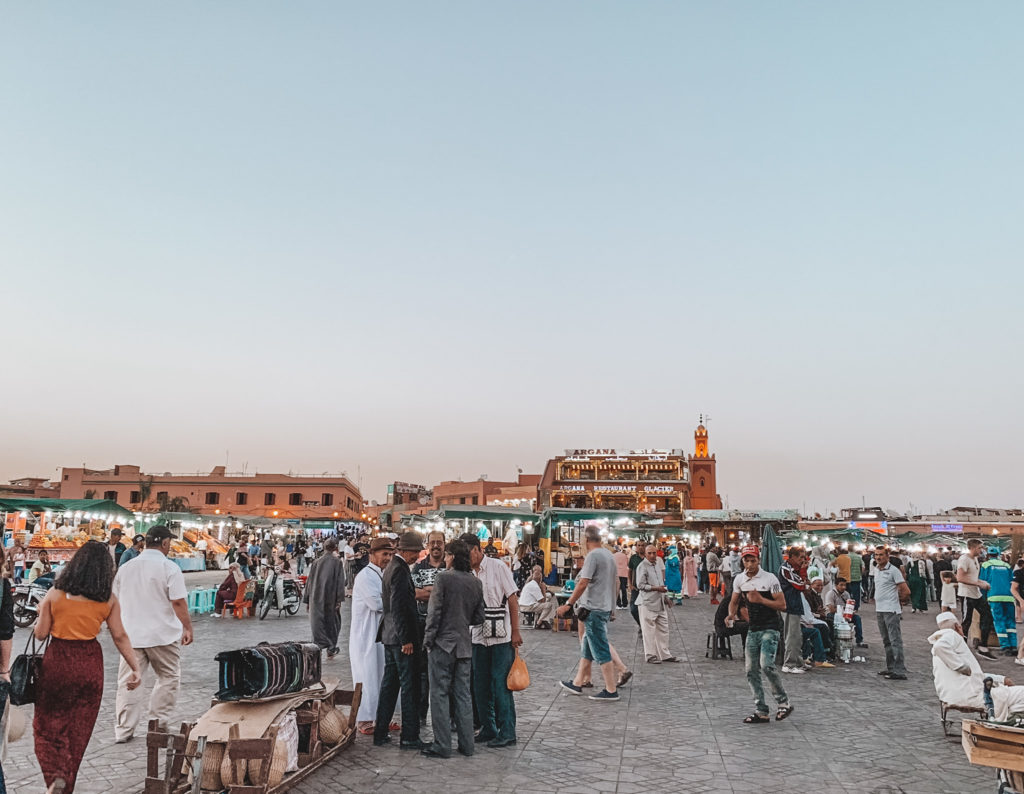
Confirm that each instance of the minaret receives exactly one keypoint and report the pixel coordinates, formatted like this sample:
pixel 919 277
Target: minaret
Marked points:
pixel 701 465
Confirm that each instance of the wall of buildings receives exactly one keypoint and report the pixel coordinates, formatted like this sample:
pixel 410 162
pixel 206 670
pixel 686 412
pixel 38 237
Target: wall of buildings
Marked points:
pixel 218 493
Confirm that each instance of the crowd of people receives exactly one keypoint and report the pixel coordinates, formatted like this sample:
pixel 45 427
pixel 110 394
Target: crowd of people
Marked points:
pixel 436 624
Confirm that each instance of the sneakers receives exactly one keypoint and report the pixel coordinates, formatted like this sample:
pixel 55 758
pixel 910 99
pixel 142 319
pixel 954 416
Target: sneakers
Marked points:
pixel 215 615
pixel 1019 661
pixel 571 688
pixel 794 670
pixel 605 695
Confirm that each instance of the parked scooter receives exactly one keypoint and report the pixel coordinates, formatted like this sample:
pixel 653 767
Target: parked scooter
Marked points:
pixel 291 589
pixel 28 597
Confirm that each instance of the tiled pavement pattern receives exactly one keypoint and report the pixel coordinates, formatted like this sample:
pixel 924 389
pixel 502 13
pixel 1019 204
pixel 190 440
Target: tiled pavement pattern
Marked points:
pixel 678 727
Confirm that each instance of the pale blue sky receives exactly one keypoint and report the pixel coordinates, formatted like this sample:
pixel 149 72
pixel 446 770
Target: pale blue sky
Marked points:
pixel 434 240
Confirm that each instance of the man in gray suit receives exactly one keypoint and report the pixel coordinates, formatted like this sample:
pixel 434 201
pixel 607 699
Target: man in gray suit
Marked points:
pixel 456 603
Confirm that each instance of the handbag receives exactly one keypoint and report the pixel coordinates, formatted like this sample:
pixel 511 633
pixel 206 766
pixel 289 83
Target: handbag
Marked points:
pixel 518 676
pixel 494 621
pixel 25 672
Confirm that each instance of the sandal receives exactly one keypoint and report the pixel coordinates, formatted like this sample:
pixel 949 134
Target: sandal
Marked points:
pixel 783 712
pixel 756 719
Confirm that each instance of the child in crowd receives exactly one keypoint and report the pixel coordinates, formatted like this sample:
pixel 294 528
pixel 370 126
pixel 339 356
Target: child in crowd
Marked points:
pixel 948 598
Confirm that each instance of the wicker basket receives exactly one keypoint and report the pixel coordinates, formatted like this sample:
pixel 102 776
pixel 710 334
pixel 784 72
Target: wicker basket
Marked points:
pixel 232 774
pixel 332 726
pixel 278 764
pixel 210 776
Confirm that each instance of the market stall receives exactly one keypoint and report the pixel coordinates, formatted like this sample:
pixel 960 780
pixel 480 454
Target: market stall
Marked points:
pixel 561 527
pixel 485 522
pixel 61 526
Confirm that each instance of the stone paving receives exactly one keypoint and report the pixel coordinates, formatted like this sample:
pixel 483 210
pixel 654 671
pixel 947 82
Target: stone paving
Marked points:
pixel 677 728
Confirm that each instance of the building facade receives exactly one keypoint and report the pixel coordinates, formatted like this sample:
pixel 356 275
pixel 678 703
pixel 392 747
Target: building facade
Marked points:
pixel 658 481
pixel 218 493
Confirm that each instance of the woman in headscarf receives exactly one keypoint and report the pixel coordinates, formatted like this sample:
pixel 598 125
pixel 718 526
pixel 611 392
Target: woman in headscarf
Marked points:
pixel 689 574
pixel 917 579
pixel 228 588
pixel 673 575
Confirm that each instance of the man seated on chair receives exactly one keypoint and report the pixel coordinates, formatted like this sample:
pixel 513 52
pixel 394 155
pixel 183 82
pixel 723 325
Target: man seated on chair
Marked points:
pixel 537 601
pixel 835 601
pixel 959 680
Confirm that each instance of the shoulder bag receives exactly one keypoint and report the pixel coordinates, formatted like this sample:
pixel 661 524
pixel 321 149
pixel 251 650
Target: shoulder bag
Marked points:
pixel 25 672
pixel 495 625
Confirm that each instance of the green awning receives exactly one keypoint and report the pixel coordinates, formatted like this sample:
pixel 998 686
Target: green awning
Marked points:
pixel 555 515
pixel 481 513
pixel 98 506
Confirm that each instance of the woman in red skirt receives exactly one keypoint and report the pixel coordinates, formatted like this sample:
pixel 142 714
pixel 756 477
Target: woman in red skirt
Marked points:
pixel 71 684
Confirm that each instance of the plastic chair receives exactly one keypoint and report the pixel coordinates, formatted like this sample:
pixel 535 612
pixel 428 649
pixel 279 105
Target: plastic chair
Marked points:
pixel 240 605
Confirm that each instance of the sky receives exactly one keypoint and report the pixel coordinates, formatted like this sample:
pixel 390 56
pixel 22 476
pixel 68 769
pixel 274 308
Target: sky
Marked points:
pixel 426 241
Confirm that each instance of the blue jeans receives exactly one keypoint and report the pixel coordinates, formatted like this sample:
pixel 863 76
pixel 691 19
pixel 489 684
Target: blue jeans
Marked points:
pixel 812 637
pixel 400 673
pixel 760 651
pixel 853 588
pixel 494 704
pixel 594 645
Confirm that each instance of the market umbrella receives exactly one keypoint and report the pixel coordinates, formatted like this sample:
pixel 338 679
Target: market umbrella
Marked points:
pixel 771 550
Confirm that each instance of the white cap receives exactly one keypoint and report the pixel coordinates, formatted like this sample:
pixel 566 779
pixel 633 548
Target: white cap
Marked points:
pixel 944 618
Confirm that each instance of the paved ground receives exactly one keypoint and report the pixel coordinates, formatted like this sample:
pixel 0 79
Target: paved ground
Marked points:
pixel 678 727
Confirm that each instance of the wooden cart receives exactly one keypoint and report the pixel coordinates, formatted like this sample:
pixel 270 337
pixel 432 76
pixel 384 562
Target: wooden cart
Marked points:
pixel 998 746
pixel 180 770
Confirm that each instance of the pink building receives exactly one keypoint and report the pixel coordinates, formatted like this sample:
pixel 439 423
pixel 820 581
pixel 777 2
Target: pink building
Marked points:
pixel 218 493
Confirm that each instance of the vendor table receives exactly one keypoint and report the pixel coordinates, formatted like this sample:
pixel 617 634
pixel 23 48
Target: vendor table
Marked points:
pixel 189 563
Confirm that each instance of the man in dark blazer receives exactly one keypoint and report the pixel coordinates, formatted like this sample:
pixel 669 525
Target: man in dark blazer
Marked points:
pixel 399 633
pixel 456 603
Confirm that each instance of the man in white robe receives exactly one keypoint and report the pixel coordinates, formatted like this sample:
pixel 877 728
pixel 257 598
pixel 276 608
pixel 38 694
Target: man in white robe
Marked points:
pixel 365 653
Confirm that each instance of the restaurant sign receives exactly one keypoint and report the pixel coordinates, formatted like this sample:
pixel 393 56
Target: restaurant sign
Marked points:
pixel 606 452
pixel 947 527
pixel 614 488
pixel 659 489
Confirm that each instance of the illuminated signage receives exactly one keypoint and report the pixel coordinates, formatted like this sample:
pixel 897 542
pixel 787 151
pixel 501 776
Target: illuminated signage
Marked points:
pixel 618 454
pixel 659 489
pixel 947 527
pixel 873 526
pixel 614 488
pixel 573 488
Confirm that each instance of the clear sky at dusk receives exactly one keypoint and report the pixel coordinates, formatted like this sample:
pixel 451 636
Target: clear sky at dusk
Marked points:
pixel 431 240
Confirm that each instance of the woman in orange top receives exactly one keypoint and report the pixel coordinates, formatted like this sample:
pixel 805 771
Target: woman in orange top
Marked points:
pixel 70 686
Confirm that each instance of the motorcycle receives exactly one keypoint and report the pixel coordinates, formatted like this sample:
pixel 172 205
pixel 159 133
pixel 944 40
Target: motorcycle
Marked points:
pixel 292 596
pixel 28 597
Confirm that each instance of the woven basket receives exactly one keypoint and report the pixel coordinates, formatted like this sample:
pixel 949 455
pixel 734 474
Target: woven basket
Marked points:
pixel 210 776
pixel 228 774
pixel 332 726
pixel 278 763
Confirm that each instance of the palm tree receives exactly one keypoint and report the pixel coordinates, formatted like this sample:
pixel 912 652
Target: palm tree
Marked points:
pixel 145 491
pixel 90 493
pixel 177 504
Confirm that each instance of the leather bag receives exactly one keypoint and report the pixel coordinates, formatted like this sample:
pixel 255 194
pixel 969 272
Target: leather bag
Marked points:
pixel 25 672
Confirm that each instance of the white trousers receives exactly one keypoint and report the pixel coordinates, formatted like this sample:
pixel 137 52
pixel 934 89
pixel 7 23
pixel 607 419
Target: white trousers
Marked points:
pixel 654 626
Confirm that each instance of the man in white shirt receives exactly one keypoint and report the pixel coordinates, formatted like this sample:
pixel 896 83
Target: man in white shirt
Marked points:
pixel 494 647
pixel 155 614
pixel 970 587
pixel 534 599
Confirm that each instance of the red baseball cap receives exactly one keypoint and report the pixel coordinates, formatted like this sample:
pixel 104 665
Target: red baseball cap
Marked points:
pixel 752 551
